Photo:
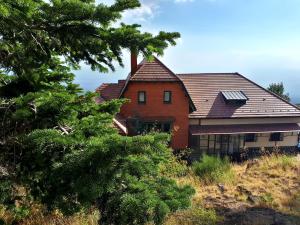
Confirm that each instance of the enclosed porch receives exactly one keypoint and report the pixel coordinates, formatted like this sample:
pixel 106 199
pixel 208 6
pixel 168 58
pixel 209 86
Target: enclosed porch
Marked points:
pixel 243 141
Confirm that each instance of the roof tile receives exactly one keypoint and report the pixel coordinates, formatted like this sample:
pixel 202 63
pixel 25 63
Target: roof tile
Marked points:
pixel 205 90
pixel 109 91
pixel 153 71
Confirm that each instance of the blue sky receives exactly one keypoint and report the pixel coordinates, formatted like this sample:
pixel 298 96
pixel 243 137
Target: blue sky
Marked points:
pixel 258 38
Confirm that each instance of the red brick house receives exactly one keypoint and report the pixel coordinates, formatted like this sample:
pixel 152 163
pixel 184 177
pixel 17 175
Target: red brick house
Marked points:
pixel 216 113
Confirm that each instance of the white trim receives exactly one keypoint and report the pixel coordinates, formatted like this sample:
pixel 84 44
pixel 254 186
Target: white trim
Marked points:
pixel 121 126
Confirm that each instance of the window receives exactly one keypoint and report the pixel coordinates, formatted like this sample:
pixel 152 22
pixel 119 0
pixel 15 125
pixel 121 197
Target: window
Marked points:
pixel 250 138
pixel 167 97
pixel 142 97
pixel 276 137
pixel 203 143
pixel 157 126
pixel 167 127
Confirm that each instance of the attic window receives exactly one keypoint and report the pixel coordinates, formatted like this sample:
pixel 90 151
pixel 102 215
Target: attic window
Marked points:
pixel 234 97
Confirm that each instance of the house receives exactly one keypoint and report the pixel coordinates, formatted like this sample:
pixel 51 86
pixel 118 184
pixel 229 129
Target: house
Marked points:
pixel 213 113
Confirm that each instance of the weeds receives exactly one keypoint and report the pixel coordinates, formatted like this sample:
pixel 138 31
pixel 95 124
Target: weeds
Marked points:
pixel 283 162
pixel 194 216
pixel 213 169
pixel 267 200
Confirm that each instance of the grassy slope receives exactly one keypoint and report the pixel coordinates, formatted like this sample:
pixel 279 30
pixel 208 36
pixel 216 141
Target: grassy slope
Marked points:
pixel 273 182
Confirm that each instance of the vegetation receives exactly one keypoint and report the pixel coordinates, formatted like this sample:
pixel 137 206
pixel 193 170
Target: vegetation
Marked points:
pixel 265 183
pixel 63 162
pixel 278 89
pixel 194 216
pixel 282 162
pixel 213 169
pixel 59 148
pixel 274 188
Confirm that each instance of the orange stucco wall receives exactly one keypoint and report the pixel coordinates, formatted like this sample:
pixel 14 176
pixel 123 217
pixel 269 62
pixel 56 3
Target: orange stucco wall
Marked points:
pixel 155 107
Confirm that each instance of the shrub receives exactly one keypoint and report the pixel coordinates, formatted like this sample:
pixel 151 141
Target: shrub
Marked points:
pixel 176 166
pixel 213 169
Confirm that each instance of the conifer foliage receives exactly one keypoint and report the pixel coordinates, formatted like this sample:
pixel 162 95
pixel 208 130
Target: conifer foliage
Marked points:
pixel 55 140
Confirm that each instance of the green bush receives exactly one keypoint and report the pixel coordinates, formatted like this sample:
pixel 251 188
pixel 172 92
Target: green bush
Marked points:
pixel 177 165
pixel 213 169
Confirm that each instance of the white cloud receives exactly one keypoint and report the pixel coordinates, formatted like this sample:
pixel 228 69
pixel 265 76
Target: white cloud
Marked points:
pixel 146 12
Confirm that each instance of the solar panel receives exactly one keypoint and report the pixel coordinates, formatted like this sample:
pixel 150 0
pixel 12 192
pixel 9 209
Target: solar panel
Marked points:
pixel 234 96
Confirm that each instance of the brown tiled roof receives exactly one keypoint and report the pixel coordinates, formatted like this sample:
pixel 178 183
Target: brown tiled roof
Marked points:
pixel 109 91
pixel 205 91
pixel 153 71
pixel 243 128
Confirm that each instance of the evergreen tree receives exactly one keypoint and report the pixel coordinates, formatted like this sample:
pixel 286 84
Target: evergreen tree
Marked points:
pixel 62 145
pixel 278 89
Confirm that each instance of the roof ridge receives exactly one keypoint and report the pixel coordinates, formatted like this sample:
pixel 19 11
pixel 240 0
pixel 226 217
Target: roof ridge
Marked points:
pixel 167 68
pixel 207 73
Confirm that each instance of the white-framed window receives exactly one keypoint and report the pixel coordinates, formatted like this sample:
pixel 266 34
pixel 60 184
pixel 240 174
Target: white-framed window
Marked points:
pixel 141 97
pixel 167 97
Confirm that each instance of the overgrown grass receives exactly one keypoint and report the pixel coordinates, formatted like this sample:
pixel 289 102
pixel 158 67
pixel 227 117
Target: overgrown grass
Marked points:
pixel 213 169
pixel 280 192
pixel 283 162
pixel 39 216
pixel 193 216
pixel 293 203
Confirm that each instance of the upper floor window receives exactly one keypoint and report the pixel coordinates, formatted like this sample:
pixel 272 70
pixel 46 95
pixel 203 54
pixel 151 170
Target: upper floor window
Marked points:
pixel 142 97
pixel 250 137
pixel 167 97
pixel 276 137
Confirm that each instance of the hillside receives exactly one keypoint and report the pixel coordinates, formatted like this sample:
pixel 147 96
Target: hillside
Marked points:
pixel 260 192
pixel 264 191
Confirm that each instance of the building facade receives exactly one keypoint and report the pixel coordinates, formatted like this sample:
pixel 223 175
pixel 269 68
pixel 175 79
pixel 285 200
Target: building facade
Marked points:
pixel 213 113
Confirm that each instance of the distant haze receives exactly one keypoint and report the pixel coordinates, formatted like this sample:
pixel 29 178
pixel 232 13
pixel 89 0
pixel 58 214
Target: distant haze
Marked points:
pixel 259 39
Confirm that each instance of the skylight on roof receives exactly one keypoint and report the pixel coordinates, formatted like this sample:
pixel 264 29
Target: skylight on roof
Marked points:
pixel 234 96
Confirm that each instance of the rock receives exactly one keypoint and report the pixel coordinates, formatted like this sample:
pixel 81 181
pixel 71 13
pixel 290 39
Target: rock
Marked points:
pixel 260 216
pixel 253 199
pixel 3 172
pixel 221 188
pixel 243 190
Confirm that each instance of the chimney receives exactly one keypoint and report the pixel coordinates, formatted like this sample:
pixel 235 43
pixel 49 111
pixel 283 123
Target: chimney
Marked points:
pixel 134 65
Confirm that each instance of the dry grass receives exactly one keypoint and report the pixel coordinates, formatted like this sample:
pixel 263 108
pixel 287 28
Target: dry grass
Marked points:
pixel 274 180
pixel 38 216
pixel 193 216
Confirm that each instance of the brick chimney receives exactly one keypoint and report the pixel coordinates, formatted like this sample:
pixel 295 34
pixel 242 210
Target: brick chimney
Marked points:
pixel 134 65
